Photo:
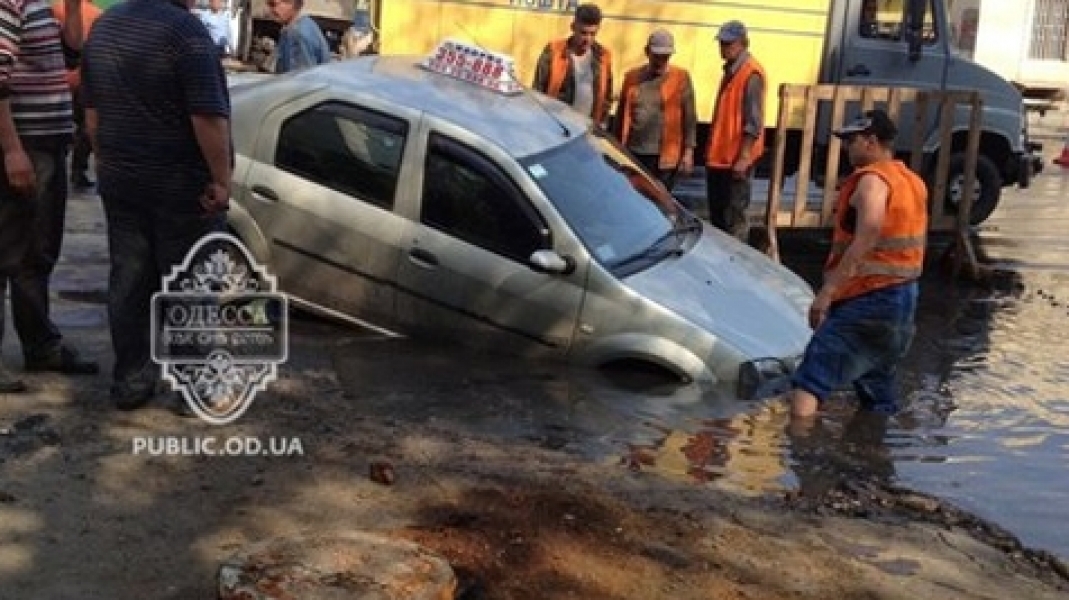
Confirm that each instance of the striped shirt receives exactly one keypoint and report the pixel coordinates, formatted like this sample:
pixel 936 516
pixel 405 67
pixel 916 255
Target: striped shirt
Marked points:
pixel 32 68
pixel 147 67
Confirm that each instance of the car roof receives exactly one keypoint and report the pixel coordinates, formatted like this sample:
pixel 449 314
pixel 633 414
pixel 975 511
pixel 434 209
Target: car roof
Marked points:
pixel 522 124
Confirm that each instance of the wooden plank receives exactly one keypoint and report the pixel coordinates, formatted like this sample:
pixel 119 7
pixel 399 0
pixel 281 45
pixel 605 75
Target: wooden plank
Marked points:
pixel 775 185
pixel 831 168
pixel 942 163
pixel 920 121
pixel 801 194
pixel 968 197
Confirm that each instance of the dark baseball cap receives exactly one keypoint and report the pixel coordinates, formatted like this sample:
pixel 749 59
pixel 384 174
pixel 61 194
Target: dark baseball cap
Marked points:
pixel 873 122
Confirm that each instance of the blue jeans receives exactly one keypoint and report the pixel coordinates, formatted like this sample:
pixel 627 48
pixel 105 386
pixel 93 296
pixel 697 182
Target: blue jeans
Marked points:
pixel 147 237
pixel 861 342
pixel 31 235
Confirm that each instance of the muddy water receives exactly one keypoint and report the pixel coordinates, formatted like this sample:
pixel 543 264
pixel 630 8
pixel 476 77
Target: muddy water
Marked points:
pixel 986 387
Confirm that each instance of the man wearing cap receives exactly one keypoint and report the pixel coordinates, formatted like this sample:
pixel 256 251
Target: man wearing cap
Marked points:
pixel 863 313
pixel 736 132
pixel 577 70
pixel 656 118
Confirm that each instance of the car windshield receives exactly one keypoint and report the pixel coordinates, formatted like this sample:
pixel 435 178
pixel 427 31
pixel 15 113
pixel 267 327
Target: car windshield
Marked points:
pixel 612 204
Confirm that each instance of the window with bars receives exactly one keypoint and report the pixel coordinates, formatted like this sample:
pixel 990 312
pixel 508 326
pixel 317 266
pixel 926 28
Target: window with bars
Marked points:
pixel 1050 31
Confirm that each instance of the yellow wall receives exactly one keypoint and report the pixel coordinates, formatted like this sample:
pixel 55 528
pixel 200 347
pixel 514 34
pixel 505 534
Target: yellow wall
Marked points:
pixel 786 35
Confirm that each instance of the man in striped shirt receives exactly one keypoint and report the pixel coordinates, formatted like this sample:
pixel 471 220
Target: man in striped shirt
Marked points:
pixel 35 129
pixel 158 114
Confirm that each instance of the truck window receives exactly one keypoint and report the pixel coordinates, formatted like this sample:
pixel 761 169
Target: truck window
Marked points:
pixel 884 20
pixel 468 197
pixel 346 148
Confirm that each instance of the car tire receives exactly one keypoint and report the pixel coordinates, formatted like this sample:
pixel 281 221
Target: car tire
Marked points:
pixel 987 177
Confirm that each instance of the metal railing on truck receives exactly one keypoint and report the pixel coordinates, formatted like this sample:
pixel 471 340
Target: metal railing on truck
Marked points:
pixel 811 99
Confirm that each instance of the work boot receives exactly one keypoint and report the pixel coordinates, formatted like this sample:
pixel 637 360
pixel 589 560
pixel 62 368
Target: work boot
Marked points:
pixel 9 383
pixel 61 359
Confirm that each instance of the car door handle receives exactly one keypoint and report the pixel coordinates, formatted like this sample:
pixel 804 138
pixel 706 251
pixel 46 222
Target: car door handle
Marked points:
pixel 858 70
pixel 423 258
pixel 264 194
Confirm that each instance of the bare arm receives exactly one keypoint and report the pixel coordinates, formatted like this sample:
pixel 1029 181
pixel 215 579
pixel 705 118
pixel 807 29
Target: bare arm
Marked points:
pixel 72 33
pixel 870 201
pixel 213 137
pixel 9 136
pixel 17 165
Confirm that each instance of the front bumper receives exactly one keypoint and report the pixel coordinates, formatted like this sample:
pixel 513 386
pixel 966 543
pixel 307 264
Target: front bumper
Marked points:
pixel 1022 168
pixel 765 377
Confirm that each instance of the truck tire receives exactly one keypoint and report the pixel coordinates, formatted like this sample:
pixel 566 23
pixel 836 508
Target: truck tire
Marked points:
pixel 987 177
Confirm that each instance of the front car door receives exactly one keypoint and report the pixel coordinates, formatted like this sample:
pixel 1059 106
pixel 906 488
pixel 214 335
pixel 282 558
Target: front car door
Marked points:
pixel 324 197
pixel 465 271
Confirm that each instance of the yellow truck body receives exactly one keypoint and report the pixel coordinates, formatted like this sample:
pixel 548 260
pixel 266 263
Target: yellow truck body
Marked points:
pixel 786 36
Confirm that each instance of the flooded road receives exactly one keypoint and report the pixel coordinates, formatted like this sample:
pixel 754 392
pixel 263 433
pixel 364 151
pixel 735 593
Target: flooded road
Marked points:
pixel 986 382
pixel 987 387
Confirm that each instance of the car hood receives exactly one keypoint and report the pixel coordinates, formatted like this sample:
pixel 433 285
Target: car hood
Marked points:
pixel 734 292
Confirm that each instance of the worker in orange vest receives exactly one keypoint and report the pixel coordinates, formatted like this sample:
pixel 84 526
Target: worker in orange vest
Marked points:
pixel 863 314
pixel 736 132
pixel 80 147
pixel 656 119
pixel 577 70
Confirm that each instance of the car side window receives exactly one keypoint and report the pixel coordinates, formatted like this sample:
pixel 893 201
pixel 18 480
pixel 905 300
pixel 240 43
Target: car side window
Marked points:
pixel 352 150
pixel 468 197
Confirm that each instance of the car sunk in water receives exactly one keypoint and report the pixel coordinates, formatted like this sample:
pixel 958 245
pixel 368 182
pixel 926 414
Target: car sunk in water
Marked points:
pixel 385 192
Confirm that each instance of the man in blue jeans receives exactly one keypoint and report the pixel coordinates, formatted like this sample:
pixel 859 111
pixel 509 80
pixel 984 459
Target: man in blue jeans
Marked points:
pixel 863 313
pixel 159 117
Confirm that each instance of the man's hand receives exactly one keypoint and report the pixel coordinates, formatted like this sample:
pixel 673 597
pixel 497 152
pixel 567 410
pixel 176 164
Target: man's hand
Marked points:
pixel 686 164
pixel 20 174
pixel 741 168
pixel 818 311
pixel 216 199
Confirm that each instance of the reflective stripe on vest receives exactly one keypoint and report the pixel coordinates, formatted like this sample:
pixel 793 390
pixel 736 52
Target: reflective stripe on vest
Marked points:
pixel 898 255
pixel 561 65
pixel 671 149
pixel 726 130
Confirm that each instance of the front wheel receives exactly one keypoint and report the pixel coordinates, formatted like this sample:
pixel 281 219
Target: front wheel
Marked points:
pixel 988 184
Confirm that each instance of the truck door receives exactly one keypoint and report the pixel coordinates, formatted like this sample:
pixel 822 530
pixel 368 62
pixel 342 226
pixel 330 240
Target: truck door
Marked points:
pixel 875 49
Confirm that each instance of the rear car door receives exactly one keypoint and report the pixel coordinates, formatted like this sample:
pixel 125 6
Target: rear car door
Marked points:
pixel 324 199
pixel 465 273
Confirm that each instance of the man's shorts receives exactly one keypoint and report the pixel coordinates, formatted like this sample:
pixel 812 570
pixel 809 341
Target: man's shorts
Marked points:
pixel 861 343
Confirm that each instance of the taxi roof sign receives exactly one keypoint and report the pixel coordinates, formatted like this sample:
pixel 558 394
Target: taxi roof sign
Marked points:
pixel 467 62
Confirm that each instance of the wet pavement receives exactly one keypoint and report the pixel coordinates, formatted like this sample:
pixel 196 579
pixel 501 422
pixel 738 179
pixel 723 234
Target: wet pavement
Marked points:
pixel 987 382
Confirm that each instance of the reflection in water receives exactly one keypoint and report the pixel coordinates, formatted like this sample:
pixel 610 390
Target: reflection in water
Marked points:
pixel 985 425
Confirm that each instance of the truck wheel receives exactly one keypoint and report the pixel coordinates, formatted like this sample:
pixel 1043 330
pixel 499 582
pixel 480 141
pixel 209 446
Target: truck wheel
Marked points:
pixel 988 179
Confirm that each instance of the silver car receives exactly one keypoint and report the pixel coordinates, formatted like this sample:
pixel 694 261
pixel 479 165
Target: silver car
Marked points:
pixel 417 203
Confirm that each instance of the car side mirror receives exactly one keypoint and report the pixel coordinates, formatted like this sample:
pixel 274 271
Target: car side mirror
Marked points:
pixel 548 261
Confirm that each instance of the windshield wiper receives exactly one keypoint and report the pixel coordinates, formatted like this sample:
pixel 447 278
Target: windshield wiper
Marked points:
pixel 657 248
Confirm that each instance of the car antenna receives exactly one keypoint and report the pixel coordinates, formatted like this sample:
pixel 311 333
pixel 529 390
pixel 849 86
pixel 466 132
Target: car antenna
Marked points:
pixel 525 90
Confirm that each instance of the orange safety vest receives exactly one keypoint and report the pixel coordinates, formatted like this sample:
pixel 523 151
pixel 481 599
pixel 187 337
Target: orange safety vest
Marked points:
pixel 561 66
pixel 671 107
pixel 726 128
pixel 90 13
pixel 898 256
